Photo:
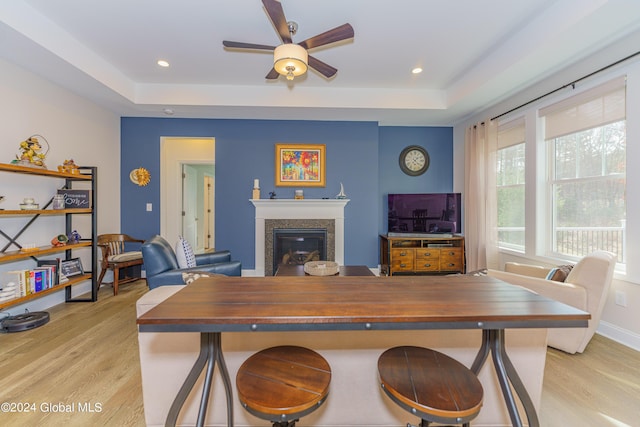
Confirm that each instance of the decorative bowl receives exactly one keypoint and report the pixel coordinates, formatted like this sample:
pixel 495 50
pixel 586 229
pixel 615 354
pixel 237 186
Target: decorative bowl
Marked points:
pixel 321 268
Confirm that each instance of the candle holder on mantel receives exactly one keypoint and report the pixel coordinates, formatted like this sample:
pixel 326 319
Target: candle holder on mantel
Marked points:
pixel 256 190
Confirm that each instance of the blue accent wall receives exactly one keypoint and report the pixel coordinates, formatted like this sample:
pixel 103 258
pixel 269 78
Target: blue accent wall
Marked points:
pixel 361 155
pixel 438 141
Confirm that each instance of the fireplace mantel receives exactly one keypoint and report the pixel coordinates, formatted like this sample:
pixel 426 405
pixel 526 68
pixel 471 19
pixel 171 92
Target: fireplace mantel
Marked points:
pixel 298 209
pixel 292 209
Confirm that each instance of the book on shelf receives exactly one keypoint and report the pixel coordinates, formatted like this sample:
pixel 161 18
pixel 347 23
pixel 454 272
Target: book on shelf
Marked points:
pixel 23 281
pixel 45 276
pixel 54 266
pixel 37 279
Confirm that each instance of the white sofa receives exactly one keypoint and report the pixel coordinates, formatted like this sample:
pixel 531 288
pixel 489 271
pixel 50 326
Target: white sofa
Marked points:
pixel 586 288
pixel 355 398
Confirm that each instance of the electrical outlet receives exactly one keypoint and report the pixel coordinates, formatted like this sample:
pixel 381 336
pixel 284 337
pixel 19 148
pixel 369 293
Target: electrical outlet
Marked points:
pixel 621 299
pixel 149 207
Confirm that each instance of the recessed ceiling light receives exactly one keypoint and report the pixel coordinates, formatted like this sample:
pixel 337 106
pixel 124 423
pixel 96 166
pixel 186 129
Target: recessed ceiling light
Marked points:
pixel 416 70
pixel 163 63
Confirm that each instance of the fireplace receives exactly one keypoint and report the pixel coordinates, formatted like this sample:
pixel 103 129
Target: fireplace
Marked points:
pixel 296 246
pixel 301 226
pixel 297 214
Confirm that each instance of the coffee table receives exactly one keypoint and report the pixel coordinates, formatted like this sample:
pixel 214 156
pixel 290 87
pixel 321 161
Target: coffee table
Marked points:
pixel 345 270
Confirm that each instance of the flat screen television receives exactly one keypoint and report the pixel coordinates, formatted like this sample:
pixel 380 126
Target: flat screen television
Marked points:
pixel 427 213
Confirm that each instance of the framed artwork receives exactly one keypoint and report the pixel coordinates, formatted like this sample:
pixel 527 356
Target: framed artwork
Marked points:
pixel 71 267
pixel 300 165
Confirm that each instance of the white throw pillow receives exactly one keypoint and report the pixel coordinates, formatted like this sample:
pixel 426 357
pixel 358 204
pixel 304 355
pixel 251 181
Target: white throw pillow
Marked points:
pixel 184 253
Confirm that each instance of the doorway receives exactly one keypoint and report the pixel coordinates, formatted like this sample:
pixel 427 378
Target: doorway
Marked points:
pixel 197 205
pixel 187 191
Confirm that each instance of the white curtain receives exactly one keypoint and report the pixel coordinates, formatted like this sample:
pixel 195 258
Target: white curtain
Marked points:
pixel 480 213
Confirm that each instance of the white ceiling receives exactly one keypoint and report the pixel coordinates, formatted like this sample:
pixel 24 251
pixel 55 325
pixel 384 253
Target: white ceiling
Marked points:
pixel 474 53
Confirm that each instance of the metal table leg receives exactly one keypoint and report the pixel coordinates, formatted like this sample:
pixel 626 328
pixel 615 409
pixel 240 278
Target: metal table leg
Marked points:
pixel 493 341
pixel 210 352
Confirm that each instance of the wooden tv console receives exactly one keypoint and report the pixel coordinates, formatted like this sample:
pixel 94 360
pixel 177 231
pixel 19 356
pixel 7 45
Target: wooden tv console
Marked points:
pixel 421 254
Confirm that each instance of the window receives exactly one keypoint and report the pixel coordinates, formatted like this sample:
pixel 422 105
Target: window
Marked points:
pixel 586 142
pixel 510 181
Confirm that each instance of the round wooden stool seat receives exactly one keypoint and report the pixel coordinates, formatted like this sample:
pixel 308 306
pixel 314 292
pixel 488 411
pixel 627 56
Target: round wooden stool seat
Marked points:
pixel 430 384
pixel 281 384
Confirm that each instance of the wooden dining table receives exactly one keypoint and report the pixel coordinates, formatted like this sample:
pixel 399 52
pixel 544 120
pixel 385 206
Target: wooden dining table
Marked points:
pixel 215 305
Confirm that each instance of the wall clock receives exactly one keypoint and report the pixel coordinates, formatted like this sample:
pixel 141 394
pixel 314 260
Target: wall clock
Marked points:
pixel 414 160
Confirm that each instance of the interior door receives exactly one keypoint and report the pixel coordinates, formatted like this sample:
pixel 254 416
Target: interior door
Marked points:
pixel 190 207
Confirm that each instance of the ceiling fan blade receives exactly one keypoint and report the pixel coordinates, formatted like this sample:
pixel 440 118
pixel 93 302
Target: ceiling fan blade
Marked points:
pixel 241 45
pixel 337 34
pixel 276 13
pixel 273 74
pixel 322 67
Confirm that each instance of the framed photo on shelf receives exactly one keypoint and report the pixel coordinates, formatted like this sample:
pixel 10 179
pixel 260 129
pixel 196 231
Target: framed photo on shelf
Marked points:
pixel 76 199
pixel 300 165
pixel 71 267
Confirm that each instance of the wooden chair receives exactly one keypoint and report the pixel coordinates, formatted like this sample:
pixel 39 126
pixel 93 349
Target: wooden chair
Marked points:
pixel 281 384
pixel 114 257
pixel 430 385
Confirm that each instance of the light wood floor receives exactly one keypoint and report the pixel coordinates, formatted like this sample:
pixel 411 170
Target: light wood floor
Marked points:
pixel 87 355
pixel 599 388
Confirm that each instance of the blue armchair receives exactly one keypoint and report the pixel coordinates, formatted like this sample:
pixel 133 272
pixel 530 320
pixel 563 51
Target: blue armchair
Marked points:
pixel 161 263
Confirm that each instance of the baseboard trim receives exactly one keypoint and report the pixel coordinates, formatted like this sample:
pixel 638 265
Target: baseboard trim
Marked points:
pixel 618 334
pixel 249 273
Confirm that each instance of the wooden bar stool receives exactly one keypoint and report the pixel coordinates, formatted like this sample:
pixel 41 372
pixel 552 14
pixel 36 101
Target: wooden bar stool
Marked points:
pixel 431 385
pixel 282 384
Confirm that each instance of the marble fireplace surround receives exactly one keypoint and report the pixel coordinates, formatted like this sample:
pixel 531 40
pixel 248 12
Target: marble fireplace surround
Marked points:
pixel 290 213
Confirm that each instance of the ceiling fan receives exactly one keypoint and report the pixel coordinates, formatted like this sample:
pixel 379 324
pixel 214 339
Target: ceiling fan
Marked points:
pixel 291 59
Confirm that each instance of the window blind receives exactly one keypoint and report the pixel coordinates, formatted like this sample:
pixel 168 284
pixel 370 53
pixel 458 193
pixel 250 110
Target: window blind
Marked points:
pixel 595 107
pixel 511 133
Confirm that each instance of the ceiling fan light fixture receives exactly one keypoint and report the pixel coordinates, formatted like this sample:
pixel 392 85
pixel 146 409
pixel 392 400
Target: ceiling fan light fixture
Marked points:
pixel 290 60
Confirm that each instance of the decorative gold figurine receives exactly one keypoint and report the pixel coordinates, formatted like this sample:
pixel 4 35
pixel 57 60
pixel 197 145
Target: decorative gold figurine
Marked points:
pixel 69 166
pixel 31 152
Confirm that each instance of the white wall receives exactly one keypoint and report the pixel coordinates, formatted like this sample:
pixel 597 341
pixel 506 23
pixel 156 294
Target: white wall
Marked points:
pixel 74 128
pixel 619 323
